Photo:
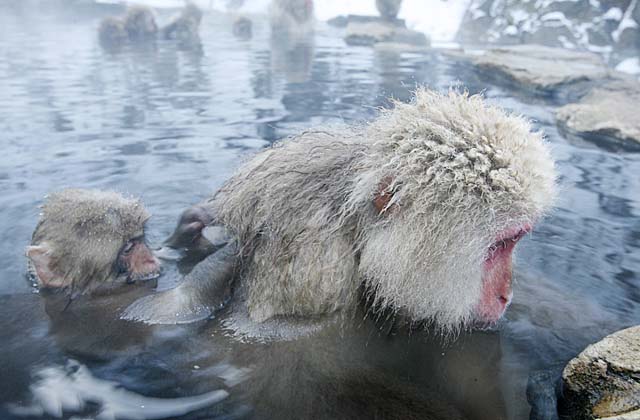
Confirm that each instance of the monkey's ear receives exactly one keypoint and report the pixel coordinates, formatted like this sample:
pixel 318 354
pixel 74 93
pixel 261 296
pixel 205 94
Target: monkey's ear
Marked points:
pixel 40 257
pixel 383 196
pixel 381 201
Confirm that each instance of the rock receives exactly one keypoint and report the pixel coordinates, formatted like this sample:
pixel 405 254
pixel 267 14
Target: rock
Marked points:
pixel 338 21
pixel 621 4
pixel 368 33
pixel 599 37
pixel 399 47
pixel 343 21
pixel 577 24
pixel 607 116
pixel 371 33
pixel 557 35
pixel 600 33
pixel 546 71
pixel 629 39
pixel 604 380
pixel 580 10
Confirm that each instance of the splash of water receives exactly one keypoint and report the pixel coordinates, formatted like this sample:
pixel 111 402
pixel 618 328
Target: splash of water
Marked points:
pixel 73 389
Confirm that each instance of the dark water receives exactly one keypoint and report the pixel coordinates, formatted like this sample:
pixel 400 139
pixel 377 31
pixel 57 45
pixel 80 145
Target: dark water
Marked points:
pixel 169 125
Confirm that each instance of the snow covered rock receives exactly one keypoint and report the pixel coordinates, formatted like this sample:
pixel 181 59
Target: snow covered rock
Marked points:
pixel 607 116
pixel 343 20
pixel 605 26
pixel 545 71
pixel 374 32
pixel 604 380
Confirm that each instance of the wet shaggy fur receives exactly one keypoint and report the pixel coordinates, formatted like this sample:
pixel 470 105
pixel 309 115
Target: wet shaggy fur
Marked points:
pixel 85 230
pixel 460 172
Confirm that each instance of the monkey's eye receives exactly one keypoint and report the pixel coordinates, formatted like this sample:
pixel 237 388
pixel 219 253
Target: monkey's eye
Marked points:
pixel 501 244
pixel 128 247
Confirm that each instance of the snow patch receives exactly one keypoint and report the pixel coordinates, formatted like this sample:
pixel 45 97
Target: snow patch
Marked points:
pixel 630 65
pixel 566 43
pixel 519 15
pixel 615 13
pixel 510 30
pixel 627 21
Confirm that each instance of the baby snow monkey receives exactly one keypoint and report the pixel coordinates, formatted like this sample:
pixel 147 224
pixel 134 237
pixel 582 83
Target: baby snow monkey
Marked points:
pixel 90 241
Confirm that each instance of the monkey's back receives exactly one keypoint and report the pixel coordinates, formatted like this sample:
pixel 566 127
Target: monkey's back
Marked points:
pixel 287 207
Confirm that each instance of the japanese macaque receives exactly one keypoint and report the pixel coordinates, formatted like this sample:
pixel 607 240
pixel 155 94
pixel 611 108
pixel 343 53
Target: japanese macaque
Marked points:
pixel 140 23
pixel 417 213
pixel 136 26
pixel 90 242
pixel 291 16
pixel 184 27
pixel 388 9
pixel 111 33
pixel 242 28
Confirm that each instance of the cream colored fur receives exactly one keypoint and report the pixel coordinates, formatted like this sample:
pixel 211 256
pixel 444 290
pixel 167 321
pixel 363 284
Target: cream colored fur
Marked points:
pixel 461 172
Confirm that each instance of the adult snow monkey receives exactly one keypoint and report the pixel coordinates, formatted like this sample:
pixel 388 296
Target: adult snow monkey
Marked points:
pixel 420 211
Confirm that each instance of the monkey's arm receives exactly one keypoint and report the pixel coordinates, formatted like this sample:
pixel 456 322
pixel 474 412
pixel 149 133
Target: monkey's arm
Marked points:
pixel 204 290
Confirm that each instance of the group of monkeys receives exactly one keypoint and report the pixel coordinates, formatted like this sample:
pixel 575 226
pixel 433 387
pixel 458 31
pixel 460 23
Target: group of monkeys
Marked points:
pixel 416 214
pixel 139 25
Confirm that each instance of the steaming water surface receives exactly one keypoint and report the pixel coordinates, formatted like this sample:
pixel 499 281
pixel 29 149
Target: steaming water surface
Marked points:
pixel 169 125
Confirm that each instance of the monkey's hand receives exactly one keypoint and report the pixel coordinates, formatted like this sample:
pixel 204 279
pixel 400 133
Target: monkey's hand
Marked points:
pixel 188 232
pixel 204 290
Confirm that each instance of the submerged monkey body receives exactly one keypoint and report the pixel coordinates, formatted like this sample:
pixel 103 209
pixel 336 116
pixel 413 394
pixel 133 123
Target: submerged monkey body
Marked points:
pixel 409 207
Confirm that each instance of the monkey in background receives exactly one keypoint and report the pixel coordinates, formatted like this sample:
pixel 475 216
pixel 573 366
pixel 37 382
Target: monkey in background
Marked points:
pixel 417 213
pixel 388 9
pixel 90 242
pixel 112 34
pixel 291 17
pixel 138 25
pixel 184 27
pixel 242 28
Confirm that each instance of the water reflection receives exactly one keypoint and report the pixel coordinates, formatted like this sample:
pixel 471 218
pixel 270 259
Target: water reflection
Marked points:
pixel 170 124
